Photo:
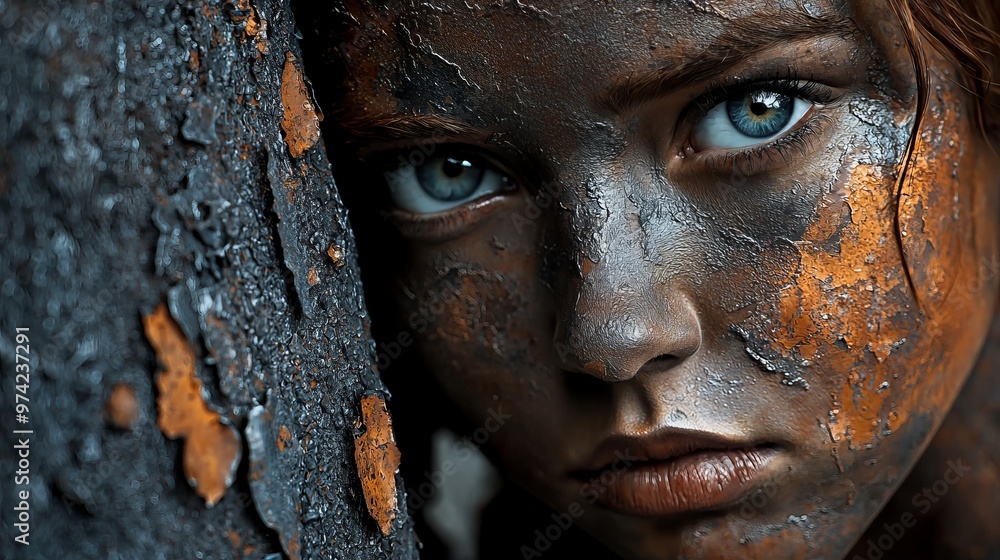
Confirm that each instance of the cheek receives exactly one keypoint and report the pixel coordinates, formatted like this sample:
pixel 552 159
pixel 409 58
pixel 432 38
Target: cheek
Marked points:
pixel 479 313
pixel 937 211
pixel 880 309
pixel 848 308
pixel 486 326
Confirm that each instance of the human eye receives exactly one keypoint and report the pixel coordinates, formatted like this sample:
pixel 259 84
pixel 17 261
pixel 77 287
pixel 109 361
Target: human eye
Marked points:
pixel 750 118
pixel 753 124
pixel 445 181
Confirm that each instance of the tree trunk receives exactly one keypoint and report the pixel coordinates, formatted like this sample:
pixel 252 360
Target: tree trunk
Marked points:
pixel 197 369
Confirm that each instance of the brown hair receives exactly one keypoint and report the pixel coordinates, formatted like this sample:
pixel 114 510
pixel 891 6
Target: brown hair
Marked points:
pixel 967 32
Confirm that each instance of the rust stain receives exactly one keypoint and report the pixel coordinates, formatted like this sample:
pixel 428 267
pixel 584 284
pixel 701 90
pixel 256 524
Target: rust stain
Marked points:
pixel 122 407
pixel 866 288
pixel 234 538
pixel 211 449
pixel 313 277
pixel 284 438
pixel 254 26
pixel 336 255
pixel 377 459
pixel 299 120
pixel 934 219
pixel 849 304
pixel 291 184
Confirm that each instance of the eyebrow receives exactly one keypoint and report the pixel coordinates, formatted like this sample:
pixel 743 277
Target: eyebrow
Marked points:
pixel 377 129
pixel 739 40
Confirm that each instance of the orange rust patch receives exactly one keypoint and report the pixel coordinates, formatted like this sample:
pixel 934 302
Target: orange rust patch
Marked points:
pixel 254 26
pixel 377 459
pixel 594 368
pixel 122 407
pixel 336 255
pixel 291 185
pixel 211 449
pixel 299 120
pixel 935 220
pixel 313 277
pixel 852 306
pixel 849 304
pixel 284 438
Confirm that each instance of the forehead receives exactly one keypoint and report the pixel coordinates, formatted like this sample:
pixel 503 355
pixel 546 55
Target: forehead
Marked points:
pixel 533 73
pixel 445 51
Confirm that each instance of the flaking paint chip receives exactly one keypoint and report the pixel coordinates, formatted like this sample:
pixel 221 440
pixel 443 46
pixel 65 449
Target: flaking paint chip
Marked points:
pixel 284 440
pixel 377 459
pixel 336 255
pixel 212 450
pixel 299 119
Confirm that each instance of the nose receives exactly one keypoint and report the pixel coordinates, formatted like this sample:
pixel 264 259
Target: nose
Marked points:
pixel 623 262
pixel 612 325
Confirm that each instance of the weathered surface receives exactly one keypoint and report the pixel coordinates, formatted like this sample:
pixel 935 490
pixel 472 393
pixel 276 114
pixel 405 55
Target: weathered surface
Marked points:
pixel 377 457
pixel 143 162
pixel 212 449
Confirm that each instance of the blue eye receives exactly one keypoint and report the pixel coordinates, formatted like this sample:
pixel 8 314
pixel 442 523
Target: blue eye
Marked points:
pixel 443 183
pixel 760 114
pixel 750 118
pixel 449 178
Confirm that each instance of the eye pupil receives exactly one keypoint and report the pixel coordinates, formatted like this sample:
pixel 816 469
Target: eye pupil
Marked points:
pixel 450 178
pixel 454 167
pixel 758 108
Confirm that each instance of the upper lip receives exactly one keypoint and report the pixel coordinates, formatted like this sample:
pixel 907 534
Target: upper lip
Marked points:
pixel 662 445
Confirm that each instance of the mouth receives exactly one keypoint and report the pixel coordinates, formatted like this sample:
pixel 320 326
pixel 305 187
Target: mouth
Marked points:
pixel 672 472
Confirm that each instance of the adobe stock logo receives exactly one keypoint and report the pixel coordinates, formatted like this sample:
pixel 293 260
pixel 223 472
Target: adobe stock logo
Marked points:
pixel 464 451
pixel 923 502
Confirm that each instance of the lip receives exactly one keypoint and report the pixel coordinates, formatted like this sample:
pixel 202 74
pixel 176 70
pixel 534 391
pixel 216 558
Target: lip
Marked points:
pixel 674 472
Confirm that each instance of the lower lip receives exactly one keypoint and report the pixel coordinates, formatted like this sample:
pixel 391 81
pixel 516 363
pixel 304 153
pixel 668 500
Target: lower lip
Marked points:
pixel 701 480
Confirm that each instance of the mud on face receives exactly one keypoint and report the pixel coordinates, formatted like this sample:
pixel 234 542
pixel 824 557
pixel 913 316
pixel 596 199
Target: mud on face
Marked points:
pixel 706 232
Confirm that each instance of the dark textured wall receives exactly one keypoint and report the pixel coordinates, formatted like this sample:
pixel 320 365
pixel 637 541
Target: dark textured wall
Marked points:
pixel 143 161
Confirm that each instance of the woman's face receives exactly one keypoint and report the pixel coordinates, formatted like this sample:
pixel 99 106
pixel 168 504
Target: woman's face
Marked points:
pixel 669 240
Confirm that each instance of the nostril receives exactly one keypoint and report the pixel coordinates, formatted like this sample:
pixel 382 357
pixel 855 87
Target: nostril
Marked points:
pixel 661 363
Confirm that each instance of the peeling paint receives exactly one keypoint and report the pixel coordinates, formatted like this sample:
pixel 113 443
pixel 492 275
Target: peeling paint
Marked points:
pixel 377 459
pixel 212 449
pixel 336 255
pixel 299 121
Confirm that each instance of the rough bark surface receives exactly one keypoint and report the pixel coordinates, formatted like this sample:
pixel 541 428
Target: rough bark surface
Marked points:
pixel 160 167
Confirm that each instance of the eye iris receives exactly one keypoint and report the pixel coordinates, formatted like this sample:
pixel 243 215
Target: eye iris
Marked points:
pixel 760 114
pixel 449 178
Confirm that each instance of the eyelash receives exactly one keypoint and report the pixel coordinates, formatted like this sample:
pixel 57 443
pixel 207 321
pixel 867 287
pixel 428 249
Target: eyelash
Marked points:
pixel 791 86
pixel 756 159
